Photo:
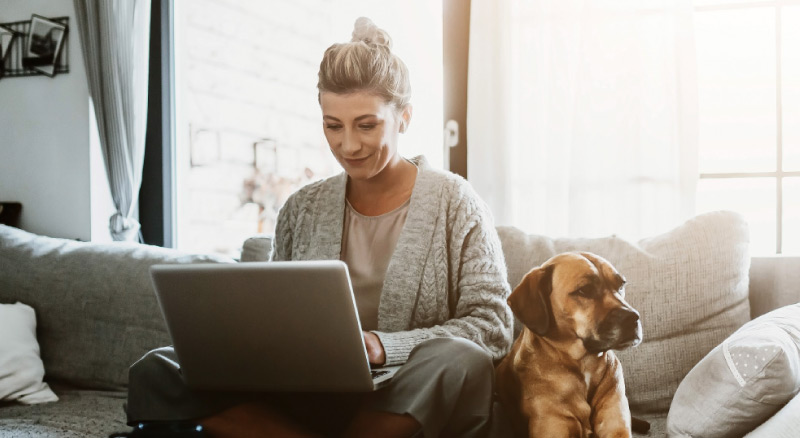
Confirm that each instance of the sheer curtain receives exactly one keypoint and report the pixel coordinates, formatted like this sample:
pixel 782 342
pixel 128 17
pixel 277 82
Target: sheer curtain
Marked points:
pixel 115 36
pixel 582 114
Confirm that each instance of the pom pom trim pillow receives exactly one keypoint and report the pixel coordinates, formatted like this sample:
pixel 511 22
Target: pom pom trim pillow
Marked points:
pixel 21 368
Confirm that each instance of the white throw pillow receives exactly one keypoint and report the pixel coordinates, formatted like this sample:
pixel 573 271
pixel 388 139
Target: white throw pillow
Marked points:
pixel 743 381
pixel 21 368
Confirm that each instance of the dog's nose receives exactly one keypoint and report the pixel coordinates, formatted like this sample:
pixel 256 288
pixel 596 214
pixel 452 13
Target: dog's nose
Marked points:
pixel 625 317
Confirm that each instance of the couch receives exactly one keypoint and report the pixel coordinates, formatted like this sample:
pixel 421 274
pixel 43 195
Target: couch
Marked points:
pixel 97 314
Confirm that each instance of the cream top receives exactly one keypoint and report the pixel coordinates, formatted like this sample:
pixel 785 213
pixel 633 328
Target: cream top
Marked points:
pixel 368 243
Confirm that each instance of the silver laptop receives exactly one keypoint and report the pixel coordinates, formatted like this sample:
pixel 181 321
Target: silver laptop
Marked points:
pixel 271 326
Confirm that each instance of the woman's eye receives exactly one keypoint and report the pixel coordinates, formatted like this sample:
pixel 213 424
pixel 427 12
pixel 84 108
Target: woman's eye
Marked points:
pixel 333 127
pixel 367 127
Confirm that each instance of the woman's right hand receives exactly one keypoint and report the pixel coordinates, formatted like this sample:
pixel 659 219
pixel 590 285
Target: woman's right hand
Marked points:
pixel 375 351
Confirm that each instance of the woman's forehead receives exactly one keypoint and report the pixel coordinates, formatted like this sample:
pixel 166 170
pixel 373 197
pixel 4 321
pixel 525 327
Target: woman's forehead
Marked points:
pixel 353 105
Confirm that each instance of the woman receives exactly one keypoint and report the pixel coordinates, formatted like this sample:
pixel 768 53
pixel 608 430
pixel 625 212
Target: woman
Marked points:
pixel 426 266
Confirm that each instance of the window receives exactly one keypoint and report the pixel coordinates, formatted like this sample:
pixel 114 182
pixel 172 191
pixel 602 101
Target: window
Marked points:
pixel 748 69
pixel 248 126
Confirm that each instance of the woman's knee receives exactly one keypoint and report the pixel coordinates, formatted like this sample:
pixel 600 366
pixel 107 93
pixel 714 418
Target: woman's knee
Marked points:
pixel 460 353
pixel 155 363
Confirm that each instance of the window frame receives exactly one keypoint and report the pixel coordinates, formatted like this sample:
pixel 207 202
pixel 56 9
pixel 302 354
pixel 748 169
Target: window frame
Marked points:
pixel 157 192
pixel 778 174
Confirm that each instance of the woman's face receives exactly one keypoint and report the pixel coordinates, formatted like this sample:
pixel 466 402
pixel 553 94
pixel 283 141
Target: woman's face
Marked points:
pixel 362 131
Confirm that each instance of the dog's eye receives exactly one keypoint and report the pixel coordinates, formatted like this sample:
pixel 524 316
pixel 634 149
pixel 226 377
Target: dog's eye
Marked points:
pixel 583 292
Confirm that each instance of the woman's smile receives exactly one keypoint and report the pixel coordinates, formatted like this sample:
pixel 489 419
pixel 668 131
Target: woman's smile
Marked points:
pixel 355 162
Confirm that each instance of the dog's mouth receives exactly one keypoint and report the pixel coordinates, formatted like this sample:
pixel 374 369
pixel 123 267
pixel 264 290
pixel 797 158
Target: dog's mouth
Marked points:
pixel 614 337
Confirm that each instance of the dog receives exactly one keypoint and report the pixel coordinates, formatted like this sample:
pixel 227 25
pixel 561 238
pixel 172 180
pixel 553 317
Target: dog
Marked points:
pixel 561 378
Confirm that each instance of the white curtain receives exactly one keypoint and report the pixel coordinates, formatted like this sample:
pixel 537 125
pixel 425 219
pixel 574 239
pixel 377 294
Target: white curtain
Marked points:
pixel 115 36
pixel 582 114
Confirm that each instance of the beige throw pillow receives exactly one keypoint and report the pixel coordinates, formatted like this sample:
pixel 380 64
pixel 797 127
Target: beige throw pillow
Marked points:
pixel 690 285
pixel 21 369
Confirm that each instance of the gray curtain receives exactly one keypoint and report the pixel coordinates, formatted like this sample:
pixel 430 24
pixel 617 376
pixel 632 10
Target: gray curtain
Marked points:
pixel 115 36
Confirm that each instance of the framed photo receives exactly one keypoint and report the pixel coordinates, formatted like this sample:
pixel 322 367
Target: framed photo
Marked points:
pixel 45 39
pixel 7 37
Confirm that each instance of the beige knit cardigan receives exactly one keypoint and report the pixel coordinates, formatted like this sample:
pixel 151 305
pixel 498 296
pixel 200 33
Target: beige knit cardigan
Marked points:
pixel 447 276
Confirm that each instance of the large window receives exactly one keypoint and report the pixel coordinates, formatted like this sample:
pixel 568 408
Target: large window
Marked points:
pixel 748 68
pixel 248 125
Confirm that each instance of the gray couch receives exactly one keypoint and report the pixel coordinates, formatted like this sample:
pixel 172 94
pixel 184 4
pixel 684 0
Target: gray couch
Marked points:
pixel 97 313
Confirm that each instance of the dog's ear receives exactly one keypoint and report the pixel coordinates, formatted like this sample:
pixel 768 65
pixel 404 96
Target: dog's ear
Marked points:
pixel 530 300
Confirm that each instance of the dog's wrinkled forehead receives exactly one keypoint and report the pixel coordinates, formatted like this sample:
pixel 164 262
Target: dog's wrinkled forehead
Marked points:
pixel 574 270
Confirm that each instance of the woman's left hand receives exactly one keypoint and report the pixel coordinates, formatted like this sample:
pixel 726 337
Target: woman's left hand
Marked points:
pixel 375 352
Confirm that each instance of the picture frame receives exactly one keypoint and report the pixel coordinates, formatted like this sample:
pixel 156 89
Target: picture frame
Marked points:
pixel 7 38
pixel 45 39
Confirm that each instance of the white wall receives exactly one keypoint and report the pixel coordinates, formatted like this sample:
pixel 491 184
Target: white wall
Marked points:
pixel 45 156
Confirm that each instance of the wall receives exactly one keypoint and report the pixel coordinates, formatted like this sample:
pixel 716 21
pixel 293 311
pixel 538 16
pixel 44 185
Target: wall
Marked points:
pixel 45 156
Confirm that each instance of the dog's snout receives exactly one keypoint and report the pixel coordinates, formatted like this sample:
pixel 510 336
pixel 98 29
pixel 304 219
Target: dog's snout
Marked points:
pixel 625 317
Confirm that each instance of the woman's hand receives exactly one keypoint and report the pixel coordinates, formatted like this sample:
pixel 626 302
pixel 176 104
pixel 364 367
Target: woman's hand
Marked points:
pixel 375 352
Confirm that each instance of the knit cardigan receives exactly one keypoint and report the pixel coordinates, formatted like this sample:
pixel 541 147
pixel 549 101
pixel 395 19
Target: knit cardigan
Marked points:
pixel 446 277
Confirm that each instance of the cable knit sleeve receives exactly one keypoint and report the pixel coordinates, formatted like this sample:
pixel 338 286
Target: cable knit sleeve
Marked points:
pixel 478 274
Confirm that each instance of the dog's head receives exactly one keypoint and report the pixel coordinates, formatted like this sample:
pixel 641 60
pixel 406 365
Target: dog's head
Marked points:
pixel 578 295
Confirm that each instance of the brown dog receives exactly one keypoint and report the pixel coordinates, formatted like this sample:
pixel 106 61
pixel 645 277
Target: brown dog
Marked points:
pixel 560 378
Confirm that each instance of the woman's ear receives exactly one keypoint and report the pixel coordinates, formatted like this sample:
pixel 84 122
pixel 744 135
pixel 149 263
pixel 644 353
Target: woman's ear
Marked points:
pixel 405 117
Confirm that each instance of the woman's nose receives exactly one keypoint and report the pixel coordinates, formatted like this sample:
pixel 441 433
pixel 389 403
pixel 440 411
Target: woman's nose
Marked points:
pixel 350 143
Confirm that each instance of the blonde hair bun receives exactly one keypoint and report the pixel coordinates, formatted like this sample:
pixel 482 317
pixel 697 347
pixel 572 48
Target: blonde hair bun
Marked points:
pixel 366 63
pixel 365 30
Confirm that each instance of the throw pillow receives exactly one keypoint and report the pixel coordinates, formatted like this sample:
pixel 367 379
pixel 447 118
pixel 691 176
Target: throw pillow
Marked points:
pixel 690 285
pixel 743 381
pixel 21 369
pixel 96 309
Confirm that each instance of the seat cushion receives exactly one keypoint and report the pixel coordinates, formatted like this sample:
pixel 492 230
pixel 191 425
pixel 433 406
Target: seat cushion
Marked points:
pixel 689 284
pixel 96 309
pixel 78 414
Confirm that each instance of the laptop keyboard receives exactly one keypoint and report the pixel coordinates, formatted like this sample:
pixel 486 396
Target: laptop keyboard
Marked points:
pixel 376 374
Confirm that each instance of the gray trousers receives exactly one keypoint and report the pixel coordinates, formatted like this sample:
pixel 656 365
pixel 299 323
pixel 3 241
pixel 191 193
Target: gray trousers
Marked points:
pixel 446 385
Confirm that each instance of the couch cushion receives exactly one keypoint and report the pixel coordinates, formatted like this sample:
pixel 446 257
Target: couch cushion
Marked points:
pixel 689 284
pixel 79 414
pixel 97 312
pixel 743 381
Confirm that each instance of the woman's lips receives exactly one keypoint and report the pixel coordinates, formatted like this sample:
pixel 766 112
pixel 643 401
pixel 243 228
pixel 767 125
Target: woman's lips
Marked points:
pixel 356 161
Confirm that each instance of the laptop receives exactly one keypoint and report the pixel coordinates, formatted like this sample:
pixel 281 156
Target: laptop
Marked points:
pixel 266 326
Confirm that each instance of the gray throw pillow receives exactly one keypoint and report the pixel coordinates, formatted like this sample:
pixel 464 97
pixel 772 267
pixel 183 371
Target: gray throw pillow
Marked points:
pixel 743 381
pixel 96 308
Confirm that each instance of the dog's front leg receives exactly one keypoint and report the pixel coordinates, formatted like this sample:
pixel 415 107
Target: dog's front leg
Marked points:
pixel 611 415
pixel 546 419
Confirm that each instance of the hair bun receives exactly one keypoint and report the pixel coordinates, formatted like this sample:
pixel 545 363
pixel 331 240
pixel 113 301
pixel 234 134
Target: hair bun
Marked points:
pixel 365 30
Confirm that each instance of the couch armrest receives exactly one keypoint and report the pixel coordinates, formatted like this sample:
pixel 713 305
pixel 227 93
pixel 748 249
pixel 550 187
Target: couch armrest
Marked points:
pixel 774 282
pixel 256 249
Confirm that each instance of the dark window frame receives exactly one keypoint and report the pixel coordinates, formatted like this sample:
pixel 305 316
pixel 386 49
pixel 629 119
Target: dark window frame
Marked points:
pixel 157 193
pixel 455 51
